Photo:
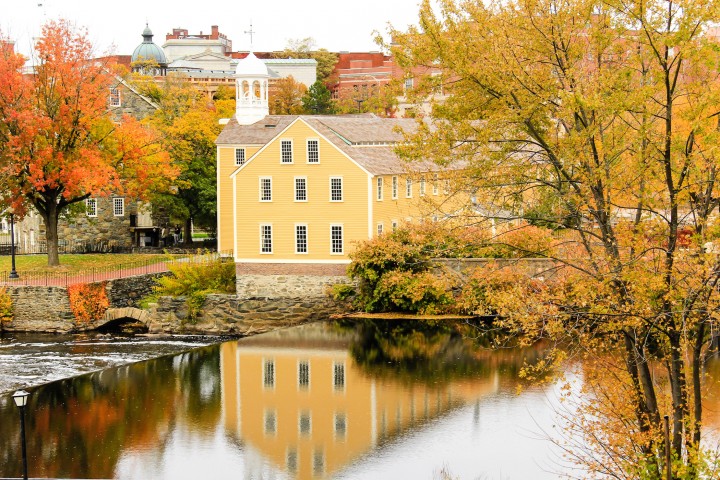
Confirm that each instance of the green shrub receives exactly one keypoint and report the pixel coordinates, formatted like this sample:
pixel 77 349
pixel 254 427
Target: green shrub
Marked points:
pixel 195 281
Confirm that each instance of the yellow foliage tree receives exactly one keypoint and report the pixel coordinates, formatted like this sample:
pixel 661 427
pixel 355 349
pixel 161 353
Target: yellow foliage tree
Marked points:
pixel 601 119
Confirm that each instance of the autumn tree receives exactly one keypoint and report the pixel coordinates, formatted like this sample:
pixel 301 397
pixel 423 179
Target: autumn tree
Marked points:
pixel 305 48
pixel 318 100
pixel 189 122
pixel 58 145
pixel 608 113
pixel 286 97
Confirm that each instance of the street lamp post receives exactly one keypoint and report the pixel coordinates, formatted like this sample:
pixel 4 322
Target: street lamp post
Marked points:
pixel 20 398
pixel 13 272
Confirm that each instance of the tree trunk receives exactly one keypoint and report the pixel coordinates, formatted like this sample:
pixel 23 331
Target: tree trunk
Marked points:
pixel 51 233
pixel 187 233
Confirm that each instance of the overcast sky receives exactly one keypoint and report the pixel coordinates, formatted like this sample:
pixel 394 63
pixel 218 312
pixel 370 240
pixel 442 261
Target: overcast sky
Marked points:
pixel 334 24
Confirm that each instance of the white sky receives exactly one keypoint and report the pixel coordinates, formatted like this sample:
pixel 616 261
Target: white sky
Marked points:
pixel 334 24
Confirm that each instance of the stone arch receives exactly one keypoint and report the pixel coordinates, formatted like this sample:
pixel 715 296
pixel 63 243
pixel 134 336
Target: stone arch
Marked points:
pixel 120 316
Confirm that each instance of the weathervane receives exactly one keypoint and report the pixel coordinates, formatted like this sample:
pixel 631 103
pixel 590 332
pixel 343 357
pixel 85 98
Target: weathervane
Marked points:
pixel 250 32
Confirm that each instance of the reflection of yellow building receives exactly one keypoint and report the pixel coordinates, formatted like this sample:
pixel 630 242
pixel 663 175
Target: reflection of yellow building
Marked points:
pixel 300 400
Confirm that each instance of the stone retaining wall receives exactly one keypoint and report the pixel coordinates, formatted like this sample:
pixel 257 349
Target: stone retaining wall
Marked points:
pixel 227 314
pixel 533 267
pixel 47 309
pixel 286 286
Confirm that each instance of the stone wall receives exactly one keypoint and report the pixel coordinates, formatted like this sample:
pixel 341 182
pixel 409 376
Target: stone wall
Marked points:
pixel 127 292
pixel 533 267
pixel 40 309
pixel 226 314
pixel 47 309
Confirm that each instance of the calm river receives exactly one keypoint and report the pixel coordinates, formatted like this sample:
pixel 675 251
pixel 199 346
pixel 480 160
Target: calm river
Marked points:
pixel 354 401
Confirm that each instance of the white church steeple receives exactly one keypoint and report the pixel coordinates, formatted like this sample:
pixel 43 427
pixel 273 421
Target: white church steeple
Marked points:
pixel 251 90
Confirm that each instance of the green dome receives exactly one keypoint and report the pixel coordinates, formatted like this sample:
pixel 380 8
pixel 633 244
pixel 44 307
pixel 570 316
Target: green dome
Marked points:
pixel 147 50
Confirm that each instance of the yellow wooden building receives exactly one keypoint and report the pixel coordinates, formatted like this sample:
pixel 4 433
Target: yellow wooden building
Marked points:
pixel 301 191
pixel 298 399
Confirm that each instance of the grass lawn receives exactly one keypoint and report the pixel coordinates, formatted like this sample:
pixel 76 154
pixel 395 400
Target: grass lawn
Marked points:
pixel 78 263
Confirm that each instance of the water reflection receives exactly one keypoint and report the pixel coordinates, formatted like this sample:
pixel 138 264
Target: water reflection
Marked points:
pixel 319 401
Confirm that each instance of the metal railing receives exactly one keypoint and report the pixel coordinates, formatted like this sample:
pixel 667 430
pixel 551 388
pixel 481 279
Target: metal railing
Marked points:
pixel 110 272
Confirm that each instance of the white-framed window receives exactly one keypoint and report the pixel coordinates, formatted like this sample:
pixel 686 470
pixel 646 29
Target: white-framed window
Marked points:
pixel 379 229
pixel 114 99
pixel 286 153
pixel 422 186
pixel 394 187
pixel 301 238
pixel 313 150
pixel 379 188
pixel 339 376
pixel 266 189
pixel 318 463
pixel 239 156
pixel 303 374
pixel 91 207
pixel 408 84
pixel 269 373
pixel 301 189
pixel 408 188
pixel 119 206
pixel 266 243
pixel 270 422
pixel 336 239
pixel 435 184
pixel 291 460
pixel 340 425
pixel 305 423
pixel 336 189
pixel 447 186
pixel 394 225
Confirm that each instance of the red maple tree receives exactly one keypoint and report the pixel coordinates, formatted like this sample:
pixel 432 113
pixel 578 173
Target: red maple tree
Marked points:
pixel 58 143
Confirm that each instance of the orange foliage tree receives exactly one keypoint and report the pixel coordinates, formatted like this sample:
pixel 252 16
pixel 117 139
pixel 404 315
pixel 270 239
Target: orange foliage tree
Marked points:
pixel 58 144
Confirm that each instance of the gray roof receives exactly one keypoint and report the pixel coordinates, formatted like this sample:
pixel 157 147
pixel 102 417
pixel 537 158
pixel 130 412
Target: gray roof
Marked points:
pixel 366 138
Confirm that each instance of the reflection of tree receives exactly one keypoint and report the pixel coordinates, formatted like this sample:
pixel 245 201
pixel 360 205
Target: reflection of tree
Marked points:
pixel 433 351
pixel 79 427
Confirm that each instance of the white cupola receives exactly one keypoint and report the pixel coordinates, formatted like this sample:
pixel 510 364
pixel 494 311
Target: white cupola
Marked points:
pixel 251 90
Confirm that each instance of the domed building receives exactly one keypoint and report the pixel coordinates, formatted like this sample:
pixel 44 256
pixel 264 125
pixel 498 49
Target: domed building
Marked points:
pixel 148 58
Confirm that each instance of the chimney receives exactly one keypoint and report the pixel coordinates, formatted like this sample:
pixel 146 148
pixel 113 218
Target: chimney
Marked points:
pixel 214 35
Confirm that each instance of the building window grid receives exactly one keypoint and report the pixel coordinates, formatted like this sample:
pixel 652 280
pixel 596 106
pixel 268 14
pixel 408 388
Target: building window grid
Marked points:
pixel 318 463
pixel 91 207
pixel 118 206
pixel 265 189
pixel 379 229
pixel 239 157
pixel 265 238
pixel 435 188
pixel 291 460
pixel 380 188
pixel 270 422
pixel 304 375
pixel 301 239
pixel 286 151
pixel 300 189
pixel 422 186
pixel 408 188
pixel 313 151
pixel 339 376
pixel 336 239
pixel 394 225
pixel 269 374
pixel 340 425
pixel 394 187
pixel 336 190
pixel 305 424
